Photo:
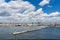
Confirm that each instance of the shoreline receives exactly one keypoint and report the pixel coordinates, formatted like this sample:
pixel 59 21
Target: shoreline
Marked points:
pixel 26 25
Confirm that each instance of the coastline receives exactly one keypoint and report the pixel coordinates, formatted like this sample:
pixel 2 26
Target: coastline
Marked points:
pixel 26 25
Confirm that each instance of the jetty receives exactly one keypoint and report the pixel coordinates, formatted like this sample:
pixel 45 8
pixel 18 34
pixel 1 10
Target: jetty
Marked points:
pixel 16 33
pixel 25 31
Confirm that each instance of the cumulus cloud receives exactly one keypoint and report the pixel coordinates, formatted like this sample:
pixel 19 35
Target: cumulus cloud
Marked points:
pixel 55 14
pixel 44 2
pixel 23 11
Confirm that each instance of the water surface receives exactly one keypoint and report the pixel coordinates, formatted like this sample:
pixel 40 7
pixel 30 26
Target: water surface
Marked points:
pixel 44 33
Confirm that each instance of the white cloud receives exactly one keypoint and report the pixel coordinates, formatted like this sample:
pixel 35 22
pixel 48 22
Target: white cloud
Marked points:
pixel 23 11
pixel 44 2
pixel 55 14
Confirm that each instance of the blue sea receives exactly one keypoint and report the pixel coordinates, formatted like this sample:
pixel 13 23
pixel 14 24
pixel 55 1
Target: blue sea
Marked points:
pixel 42 33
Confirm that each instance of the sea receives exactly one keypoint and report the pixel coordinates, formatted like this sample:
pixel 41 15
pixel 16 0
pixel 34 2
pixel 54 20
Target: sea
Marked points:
pixel 44 32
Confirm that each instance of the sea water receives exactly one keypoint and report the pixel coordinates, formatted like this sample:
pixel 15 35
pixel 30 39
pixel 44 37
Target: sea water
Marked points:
pixel 43 33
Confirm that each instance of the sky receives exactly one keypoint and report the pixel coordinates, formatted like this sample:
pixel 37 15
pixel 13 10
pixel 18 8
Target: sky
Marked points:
pixel 23 11
pixel 54 4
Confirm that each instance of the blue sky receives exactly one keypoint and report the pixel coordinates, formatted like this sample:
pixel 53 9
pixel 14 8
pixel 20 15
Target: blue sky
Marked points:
pixel 54 3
